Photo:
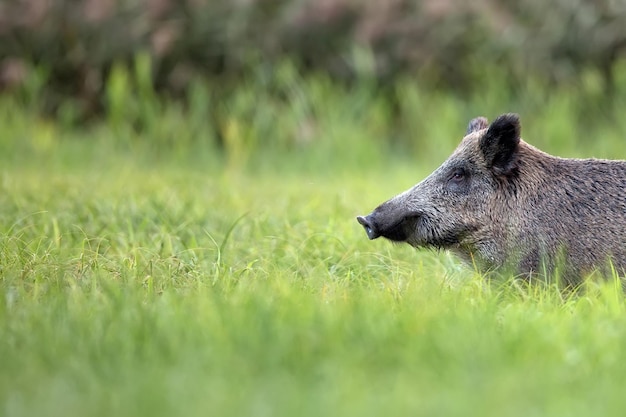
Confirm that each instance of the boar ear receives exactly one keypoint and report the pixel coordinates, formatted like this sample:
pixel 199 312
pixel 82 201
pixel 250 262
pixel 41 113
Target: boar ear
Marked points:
pixel 499 144
pixel 476 124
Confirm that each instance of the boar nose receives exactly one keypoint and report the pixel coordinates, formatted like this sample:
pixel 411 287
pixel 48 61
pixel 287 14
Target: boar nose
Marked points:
pixel 369 226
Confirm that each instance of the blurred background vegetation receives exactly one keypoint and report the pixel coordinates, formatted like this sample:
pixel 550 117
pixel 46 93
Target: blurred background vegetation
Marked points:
pixel 351 76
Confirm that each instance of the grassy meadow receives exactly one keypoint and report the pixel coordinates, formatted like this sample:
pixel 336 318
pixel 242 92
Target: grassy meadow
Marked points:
pixel 150 267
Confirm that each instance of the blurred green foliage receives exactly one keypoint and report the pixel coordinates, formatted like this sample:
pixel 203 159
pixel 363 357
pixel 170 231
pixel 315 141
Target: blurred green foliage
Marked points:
pixel 77 49
pixel 313 119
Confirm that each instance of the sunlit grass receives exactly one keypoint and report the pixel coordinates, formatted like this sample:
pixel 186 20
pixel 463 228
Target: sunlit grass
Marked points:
pixel 190 278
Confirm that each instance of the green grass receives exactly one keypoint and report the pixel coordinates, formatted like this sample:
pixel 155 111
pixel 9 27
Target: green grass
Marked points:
pixel 138 279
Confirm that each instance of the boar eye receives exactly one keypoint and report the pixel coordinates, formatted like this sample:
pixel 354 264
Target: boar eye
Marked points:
pixel 458 180
pixel 458 175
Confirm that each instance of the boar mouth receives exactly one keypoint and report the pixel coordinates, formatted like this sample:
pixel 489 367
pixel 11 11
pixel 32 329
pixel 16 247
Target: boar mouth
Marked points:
pixel 435 237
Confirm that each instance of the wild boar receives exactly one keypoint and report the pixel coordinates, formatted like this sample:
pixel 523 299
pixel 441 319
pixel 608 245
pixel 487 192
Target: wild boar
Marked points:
pixel 501 204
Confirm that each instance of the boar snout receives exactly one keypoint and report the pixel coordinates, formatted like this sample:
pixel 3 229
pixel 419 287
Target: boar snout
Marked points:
pixel 369 226
pixel 393 226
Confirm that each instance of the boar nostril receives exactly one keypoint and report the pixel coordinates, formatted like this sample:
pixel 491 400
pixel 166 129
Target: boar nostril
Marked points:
pixel 368 225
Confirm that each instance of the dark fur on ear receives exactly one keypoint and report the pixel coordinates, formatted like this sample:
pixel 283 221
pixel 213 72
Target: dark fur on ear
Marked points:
pixel 499 144
pixel 476 124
